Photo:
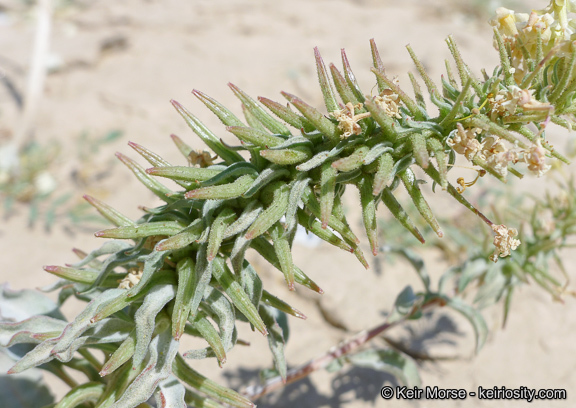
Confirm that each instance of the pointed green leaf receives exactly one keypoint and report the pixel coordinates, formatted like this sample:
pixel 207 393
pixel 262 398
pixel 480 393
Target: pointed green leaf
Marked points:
pixel 342 87
pixel 325 85
pixel 217 229
pixel 435 146
pixel 284 157
pixel 381 117
pixel 206 135
pixel 108 212
pixel 151 184
pixel 327 187
pixel 272 124
pixel 184 238
pixel 401 215
pixel 72 274
pixel 197 381
pixel 322 123
pixel 254 136
pixel 248 216
pixel 184 293
pixel 222 191
pixel 184 173
pixel 279 193
pixel 411 184
pixel 272 301
pixel 182 147
pixel 286 114
pixel 315 227
pixel 237 295
pixel 266 176
pixel 266 249
pixel 284 253
pixel 353 161
pixel 123 353
pixel 148 229
pixel 378 64
pixel 210 334
pixel 227 117
pixel 368 203
pixel 351 78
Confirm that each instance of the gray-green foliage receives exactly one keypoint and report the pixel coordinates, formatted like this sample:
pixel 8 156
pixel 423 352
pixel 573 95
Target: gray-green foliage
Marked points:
pixel 182 265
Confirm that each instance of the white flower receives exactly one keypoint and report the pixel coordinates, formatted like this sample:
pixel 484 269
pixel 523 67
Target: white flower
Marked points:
pixel 464 141
pixel 535 158
pixel 131 279
pixel 389 101
pixel 504 241
pixel 348 121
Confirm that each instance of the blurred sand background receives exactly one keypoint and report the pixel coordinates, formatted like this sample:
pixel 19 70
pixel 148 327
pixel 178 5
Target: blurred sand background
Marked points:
pixel 116 65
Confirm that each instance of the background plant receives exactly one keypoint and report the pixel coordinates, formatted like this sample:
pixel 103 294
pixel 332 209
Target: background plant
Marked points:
pixel 398 136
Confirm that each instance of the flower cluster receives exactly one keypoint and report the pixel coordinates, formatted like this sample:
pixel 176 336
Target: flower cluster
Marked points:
pixel 465 142
pixel 348 120
pixel 504 241
pixel 535 34
pixel 389 101
pixel 493 151
pixel 131 279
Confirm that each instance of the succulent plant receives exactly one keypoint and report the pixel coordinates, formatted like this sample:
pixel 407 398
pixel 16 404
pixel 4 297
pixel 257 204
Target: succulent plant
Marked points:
pixel 181 268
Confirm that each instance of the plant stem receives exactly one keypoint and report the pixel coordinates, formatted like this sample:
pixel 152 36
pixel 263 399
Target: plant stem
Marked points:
pixel 256 391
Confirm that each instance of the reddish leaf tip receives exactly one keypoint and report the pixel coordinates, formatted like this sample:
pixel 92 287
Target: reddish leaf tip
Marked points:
pixel 121 156
pixel 176 104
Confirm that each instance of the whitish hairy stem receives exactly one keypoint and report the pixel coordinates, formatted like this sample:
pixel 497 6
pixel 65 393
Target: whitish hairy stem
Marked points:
pixel 35 86
pixel 256 391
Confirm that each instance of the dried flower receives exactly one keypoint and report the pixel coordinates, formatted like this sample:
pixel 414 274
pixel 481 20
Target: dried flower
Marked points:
pixel 201 158
pixel 464 141
pixel 535 158
pixel 497 155
pixel 504 103
pixel 388 101
pixel 131 279
pixel 504 241
pixel 348 121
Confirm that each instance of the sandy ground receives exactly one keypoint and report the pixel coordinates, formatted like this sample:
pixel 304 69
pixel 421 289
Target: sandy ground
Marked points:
pixel 117 65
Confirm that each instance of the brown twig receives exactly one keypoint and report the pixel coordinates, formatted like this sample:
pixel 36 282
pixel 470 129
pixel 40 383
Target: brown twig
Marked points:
pixel 256 391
